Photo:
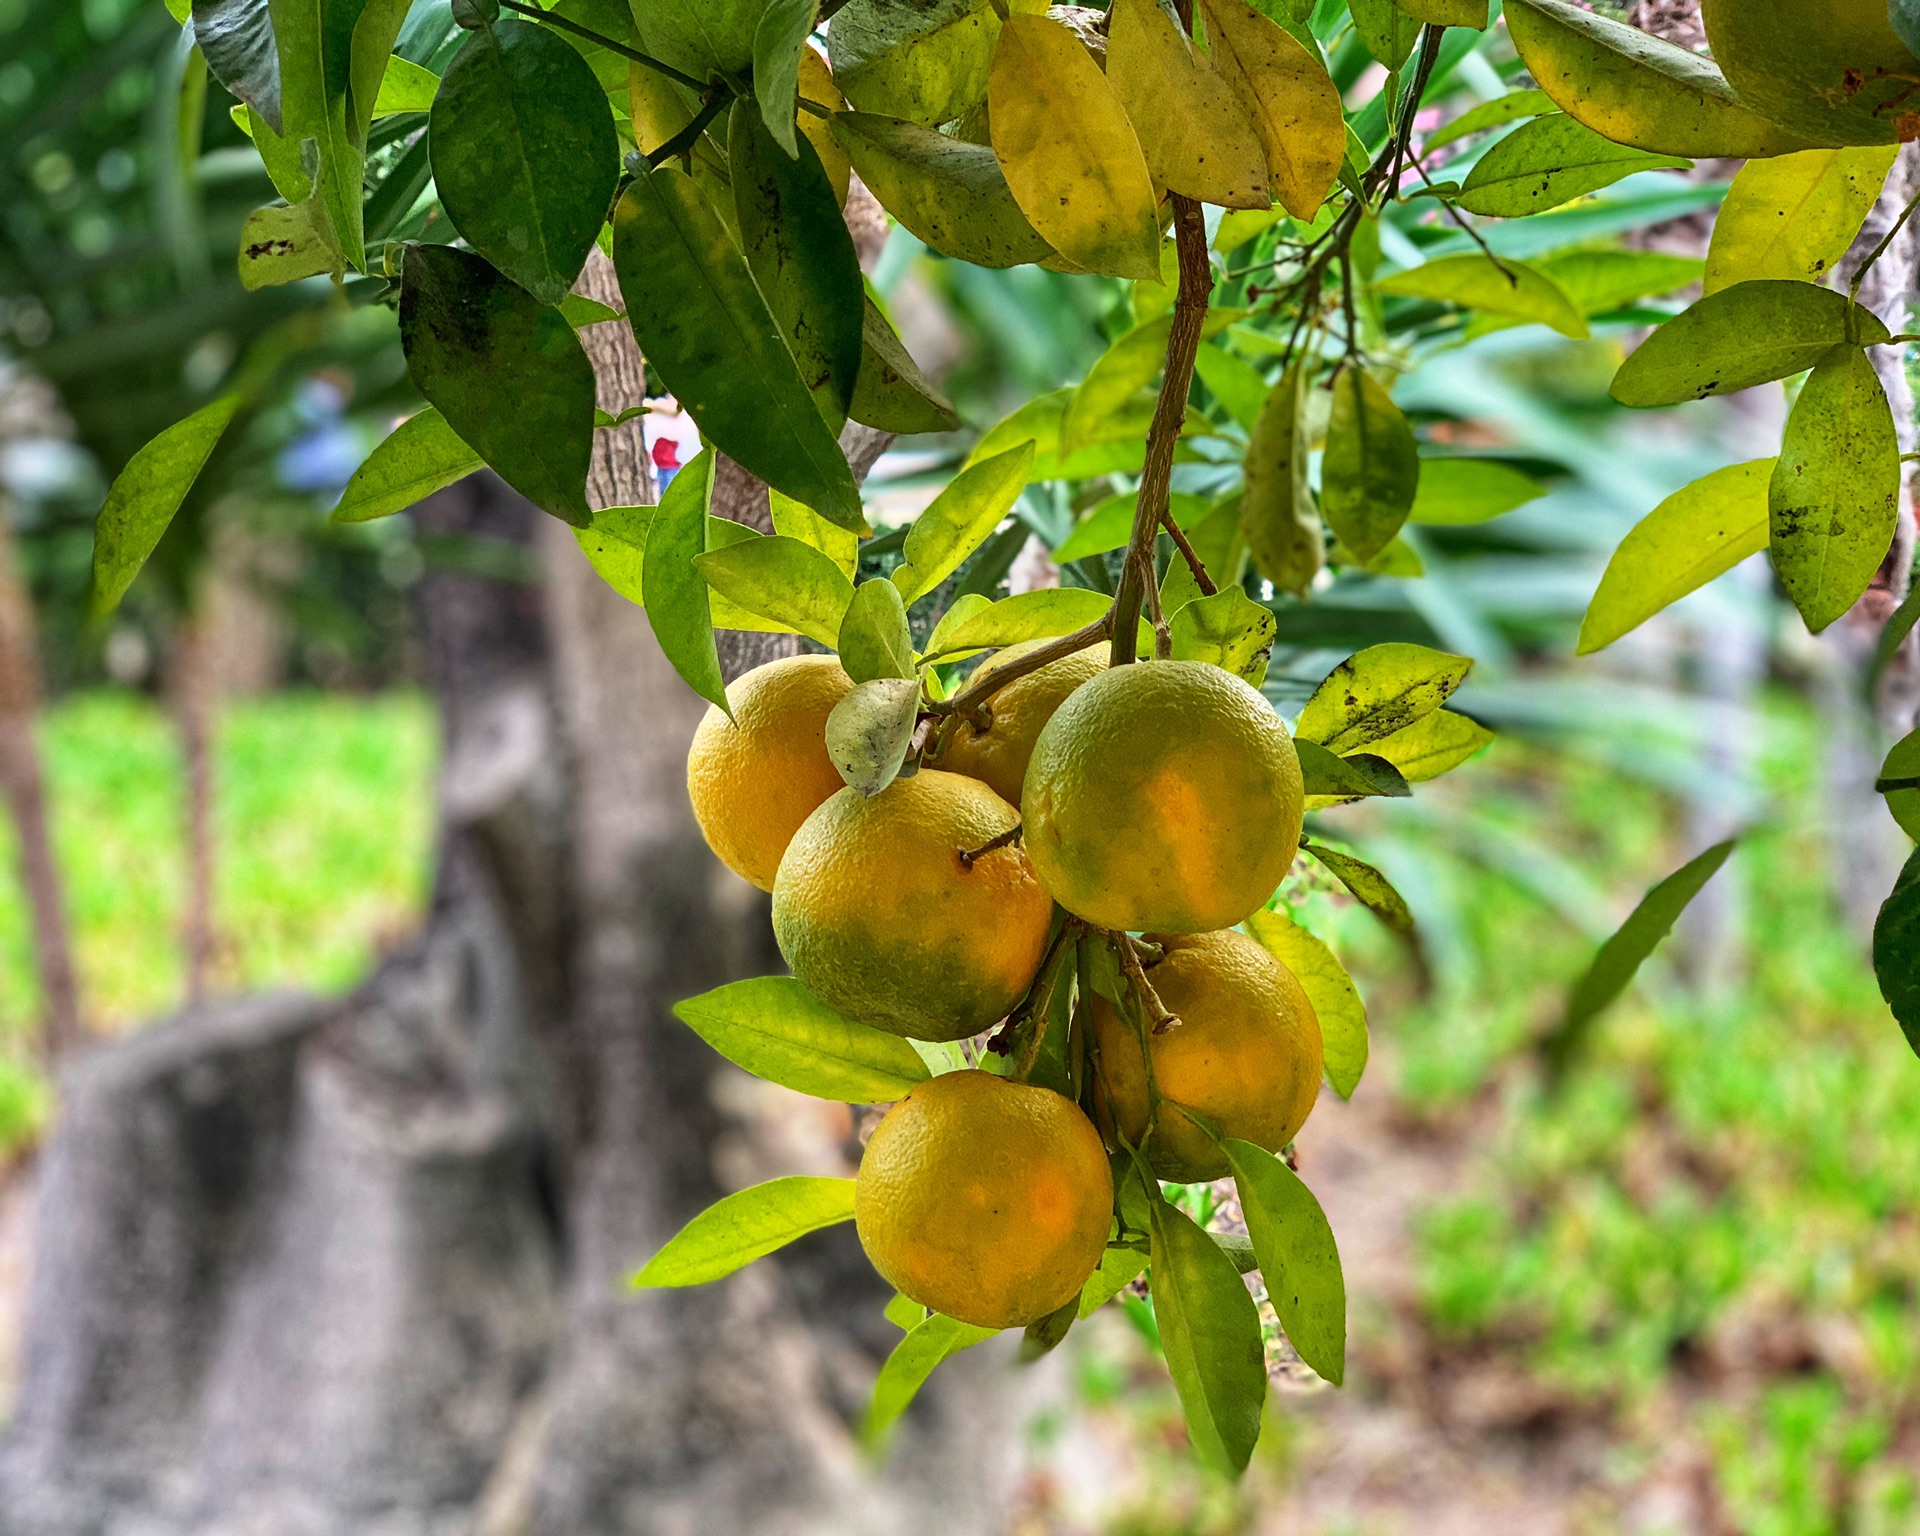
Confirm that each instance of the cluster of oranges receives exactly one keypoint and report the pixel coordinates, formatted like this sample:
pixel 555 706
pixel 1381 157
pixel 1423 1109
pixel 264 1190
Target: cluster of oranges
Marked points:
pixel 1160 799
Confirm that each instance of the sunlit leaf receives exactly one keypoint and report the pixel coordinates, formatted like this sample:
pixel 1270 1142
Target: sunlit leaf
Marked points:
pixel 283 243
pixel 1227 630
pixel 1500 286
pixel 1510 108
pixel 913 1360
pixel 732 1233
pixel 420 456
pixel 1377 692
pixel 791 582
pixel 926 62
pixel 1795 216
pixel 1110 525
pixel 773 1027
pixel 959 520
pixel 676 593
pixel 1295 107
pixel 1336 1001
pixel 1042 615
pixel 1899 781
pixel 874 640
pixel 1434 744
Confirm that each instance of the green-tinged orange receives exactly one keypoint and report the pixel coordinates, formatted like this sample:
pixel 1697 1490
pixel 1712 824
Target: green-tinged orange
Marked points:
pixel 882 917
pixel 755 778
pixel 1014 717
pixel 1246 1055
pixel 1831 71
pixel 984 1199
pixel 1164 795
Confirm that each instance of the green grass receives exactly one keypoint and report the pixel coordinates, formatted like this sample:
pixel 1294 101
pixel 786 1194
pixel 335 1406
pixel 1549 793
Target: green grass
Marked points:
pixel 324 829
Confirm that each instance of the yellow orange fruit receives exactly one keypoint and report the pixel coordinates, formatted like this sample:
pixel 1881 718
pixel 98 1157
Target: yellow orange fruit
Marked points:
pixel 881 916
pixel 1164 795
pixel 755 778
pixel 1015 716
pixel 1831 71
pixel 1246 1054
pixel 984 1199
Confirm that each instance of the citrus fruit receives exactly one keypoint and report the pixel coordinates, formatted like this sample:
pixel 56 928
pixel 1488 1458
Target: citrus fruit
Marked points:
pixel 1246 1054
pixel 1831 71
pixel 1014 717
pixel 753 779
pixel 985 1199
pixel 882 917
pixel 1163 795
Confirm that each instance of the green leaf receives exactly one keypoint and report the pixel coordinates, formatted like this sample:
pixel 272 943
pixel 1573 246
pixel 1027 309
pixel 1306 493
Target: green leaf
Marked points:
pixel 1043 615
pixel 778 42
pixel 707 332
pixel 1635 88
pixel 1239 386
pixel 1499 286
pixel 959 520
pixel 1229 630
pixel 1299 1259
pixel 871 729
pixel 1700 532
pixel 1599 282
pixel 1621 957
pixel 420 456
pixel 891 393
pixel 1497 113
pixel 1747 335
pixel 1457 491
pixel 1896 951
pixel 283 243
pixel 675 591
pixel 1386 31
pixel 1377 692
pixel 794 521
pixel 505 370
pixel 776 1029
pixel 1364 774
pixel 949 193
pixel 1369 887
pixel 1370 472
pixel 1210 1332
pixel 927 61
pixel 874 639
pixel 405 87
pixel 1434 744
pixel 782 579
pixel 732 1233
pixel 802 257
pixel 1834 499
pixel 1899 781
pixel 1119 1268
pixel 1336 1001
pixel 1110 524
pixel 1448 13
pixel 913 1360
pixel 1793 217
pixel 1120 373
pixel 1550 161
pixel 236 39
pixel 1278 519
pixel 1047 1335
pixel 145 495
pixel 700 36
pixel 616 546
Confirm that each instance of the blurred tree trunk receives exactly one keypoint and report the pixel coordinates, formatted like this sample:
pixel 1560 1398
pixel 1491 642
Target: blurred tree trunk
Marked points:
pixel 193 693
pixel 23 784
pixel 330 1268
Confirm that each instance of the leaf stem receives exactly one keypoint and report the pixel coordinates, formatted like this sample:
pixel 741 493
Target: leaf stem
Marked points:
pixel 612 45
pixel 682 142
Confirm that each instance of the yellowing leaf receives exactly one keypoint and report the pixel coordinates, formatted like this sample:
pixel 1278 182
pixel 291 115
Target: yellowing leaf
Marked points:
pixel 816 85
pixel 960 519
pixel 1377 693
pixel 1795 216
pixel 1696 534
pixel 1294 105
pixel 1448 13
pixel 1637 89
pixel 1434 744
pixel 1068 152
pixel 1278 519
pixel 1508 288
pixel 1835 494
pixel 795 521
pixel 949 193
pixel 1336 1001
pixel 1197 138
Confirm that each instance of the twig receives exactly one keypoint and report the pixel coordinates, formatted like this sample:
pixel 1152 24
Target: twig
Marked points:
pixel 1512 277
pixel 1189 554
pixel 1137 584
pixel 980 689
pixel 555 19
pixel 682 142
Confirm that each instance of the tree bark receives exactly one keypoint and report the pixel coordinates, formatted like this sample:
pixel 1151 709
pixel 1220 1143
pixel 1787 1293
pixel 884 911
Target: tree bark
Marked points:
pixel 194 694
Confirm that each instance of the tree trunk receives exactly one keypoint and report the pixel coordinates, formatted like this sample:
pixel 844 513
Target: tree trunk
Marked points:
pixel 359 1267
pixel 194 695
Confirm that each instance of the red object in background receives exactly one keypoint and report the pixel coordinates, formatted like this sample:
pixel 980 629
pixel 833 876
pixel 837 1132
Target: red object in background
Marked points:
pixel 666 453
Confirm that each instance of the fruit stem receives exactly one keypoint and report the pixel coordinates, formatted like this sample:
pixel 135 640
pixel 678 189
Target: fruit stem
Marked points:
pixel 968 856
pixel 1163 1018
pixel 980 689
pixel 1153 506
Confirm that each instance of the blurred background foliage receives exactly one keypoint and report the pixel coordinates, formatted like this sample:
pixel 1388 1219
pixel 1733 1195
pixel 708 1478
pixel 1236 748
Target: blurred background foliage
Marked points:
pixel 1680 1294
